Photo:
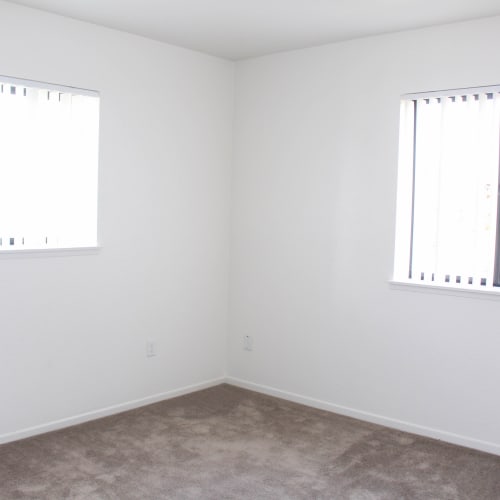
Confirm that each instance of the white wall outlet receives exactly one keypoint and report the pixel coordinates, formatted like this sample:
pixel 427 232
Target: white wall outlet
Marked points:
pixel 151 348
pixel 247 342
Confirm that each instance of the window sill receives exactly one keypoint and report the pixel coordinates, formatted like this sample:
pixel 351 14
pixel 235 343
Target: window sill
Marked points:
pixel 453 290
pixel 49 252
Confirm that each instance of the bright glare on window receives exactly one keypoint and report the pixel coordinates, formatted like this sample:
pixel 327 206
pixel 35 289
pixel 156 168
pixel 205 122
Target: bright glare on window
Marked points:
pixel 448 189
pixel 48 166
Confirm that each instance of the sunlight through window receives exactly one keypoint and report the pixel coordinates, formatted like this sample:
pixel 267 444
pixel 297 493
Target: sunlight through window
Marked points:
pixel 448 188
pixel 48 166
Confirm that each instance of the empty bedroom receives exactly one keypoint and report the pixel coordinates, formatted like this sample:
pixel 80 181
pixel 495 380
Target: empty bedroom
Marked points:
pixel 249 249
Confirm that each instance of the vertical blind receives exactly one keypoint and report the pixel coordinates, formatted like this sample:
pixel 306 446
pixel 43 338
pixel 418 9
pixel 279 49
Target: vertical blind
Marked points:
pixel 48 166
pixel 456 165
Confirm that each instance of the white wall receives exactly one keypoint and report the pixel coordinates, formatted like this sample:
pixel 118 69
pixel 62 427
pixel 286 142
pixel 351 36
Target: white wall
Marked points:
pixel 314 196
pixel 73 329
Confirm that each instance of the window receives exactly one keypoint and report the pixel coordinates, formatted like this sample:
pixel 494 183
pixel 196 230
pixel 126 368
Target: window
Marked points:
pixel 447 223
pixel 48 166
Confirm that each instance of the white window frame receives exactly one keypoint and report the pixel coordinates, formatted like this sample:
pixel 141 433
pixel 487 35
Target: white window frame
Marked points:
pixel 92 248
pixel 404 210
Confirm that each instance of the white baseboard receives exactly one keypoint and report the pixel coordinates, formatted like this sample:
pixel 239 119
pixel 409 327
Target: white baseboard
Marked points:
pixel 449 437
pixel 370 417
pixel 105 412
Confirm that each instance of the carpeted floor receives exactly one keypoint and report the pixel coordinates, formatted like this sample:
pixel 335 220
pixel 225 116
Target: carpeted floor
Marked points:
pixel 229 443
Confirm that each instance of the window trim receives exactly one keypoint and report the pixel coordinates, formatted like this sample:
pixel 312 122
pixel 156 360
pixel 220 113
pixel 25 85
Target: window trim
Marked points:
pixel 93 248
pixel 49 86
pixel 405 206
pixel 50 252
pixel 450 92
pixel 453 290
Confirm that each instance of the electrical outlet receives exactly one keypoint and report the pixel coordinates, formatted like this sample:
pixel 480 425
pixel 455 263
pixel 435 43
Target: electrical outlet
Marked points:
pixel 150 348
pixel 247 342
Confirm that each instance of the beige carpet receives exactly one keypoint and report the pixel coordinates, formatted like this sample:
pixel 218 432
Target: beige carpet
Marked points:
pixel 229 443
